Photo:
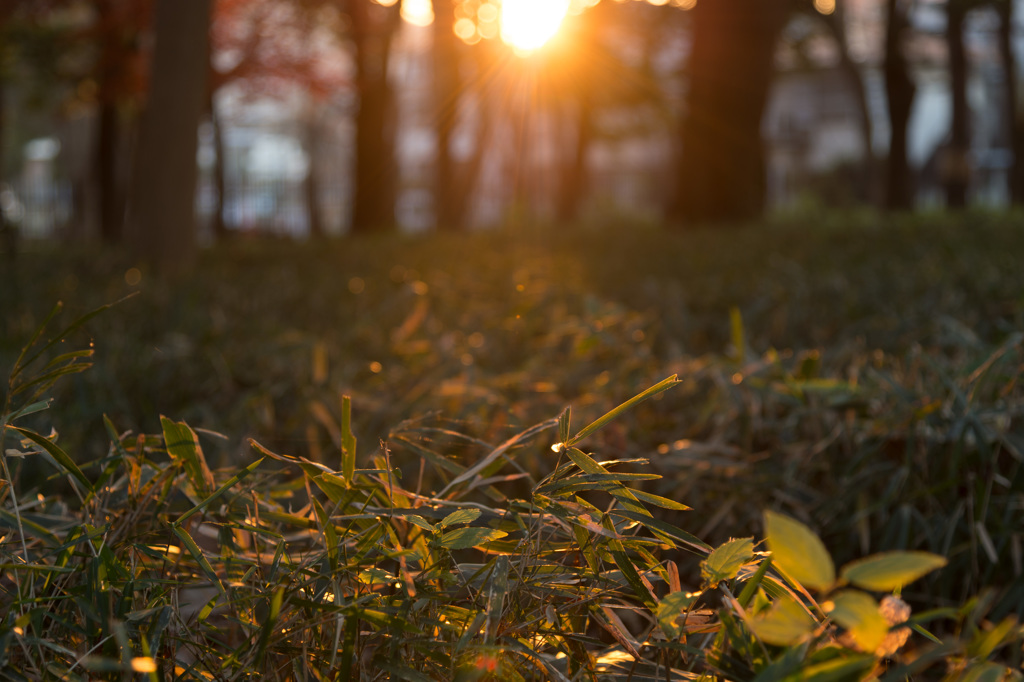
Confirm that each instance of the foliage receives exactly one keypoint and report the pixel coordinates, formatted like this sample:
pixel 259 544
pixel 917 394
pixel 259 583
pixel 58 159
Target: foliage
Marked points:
pixel 157 564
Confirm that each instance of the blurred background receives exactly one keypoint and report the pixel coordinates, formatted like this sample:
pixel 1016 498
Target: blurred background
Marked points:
pixel 325 117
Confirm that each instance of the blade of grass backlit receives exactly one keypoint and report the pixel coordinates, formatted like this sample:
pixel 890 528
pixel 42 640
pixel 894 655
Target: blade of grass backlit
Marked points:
pixel 624 407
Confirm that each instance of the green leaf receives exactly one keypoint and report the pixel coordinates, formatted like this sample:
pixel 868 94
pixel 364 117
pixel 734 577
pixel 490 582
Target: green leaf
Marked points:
pixel 659 501
pixel 183 446
pixel 858 612
pixel 725 561
pixel 621 493
pixel 621 409
pixel 458 517
pixel 418 520
pixel 631 575
pixel 56 452
pixel 464 538
pixel 672 610
pixel 785 624
pixel 799 552
pixel 890 571
pixel 26 410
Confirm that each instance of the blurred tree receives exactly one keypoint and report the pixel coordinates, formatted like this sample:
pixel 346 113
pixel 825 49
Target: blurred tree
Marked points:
pixel 835 22
pixel 899 90
pixel 447 92
pixel 162 220
pixel 119 75
pixel 720 175
pixel 372 28
pixel 1013 116
pixel 954 162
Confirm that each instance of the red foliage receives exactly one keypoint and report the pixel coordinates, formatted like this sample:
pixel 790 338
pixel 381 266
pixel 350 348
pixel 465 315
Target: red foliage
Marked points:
pixel 272 46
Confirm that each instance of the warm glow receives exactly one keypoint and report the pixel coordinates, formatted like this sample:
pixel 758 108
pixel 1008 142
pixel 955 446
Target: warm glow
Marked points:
pixel 825 6
pixel 417 12
pixel 527 24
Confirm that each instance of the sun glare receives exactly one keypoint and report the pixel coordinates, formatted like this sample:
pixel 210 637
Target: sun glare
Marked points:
pixel 528 24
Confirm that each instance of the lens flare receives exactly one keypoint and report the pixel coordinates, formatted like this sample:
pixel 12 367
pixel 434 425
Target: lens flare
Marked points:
pixel 528 24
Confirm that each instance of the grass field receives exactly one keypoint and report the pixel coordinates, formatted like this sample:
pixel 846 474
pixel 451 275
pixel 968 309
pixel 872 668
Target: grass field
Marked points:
pixel 859 375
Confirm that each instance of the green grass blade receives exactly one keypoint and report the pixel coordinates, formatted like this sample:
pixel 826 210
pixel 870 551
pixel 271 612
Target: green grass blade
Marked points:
pixel 348 440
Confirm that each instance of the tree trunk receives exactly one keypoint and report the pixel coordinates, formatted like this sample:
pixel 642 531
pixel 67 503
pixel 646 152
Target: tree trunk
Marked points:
pixel 1014 120
pixel 447 90
pixel 162 227
pixel 374 194
pixel 574 170
pixel 111 210
pixel 837 26
pixel 721 174
pixel 311 185
pixel 954 166
pixel 899 90
pixel 219 227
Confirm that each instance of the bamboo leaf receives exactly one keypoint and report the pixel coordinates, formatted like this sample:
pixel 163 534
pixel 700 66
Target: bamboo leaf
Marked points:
pixel 183 446
pixel 198 555
pixel 56 452
pixel 603 421
pixel 458 517
pixel 786 623
pixel 889 571
pixel 672 610
pixel 858 612
pixel 725 561
pixel 464 538
pixel 799 552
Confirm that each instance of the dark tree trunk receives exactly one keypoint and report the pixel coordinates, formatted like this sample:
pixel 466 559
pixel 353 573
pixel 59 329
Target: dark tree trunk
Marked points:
pixel 954 166
pixel 721 173
pixel 1014 120
pixel 447 91
pixel 574 174
pixel 376 171
pixel 219 227
pixel 311 185
pixel 836 25
pixel 162 227
pixel 111 208
pixel 899 90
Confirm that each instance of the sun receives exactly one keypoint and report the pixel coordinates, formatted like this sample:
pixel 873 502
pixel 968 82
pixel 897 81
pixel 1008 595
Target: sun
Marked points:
pixel 527 25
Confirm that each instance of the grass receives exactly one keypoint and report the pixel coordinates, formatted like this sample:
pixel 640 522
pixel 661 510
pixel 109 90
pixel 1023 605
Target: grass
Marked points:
pixel 865 386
